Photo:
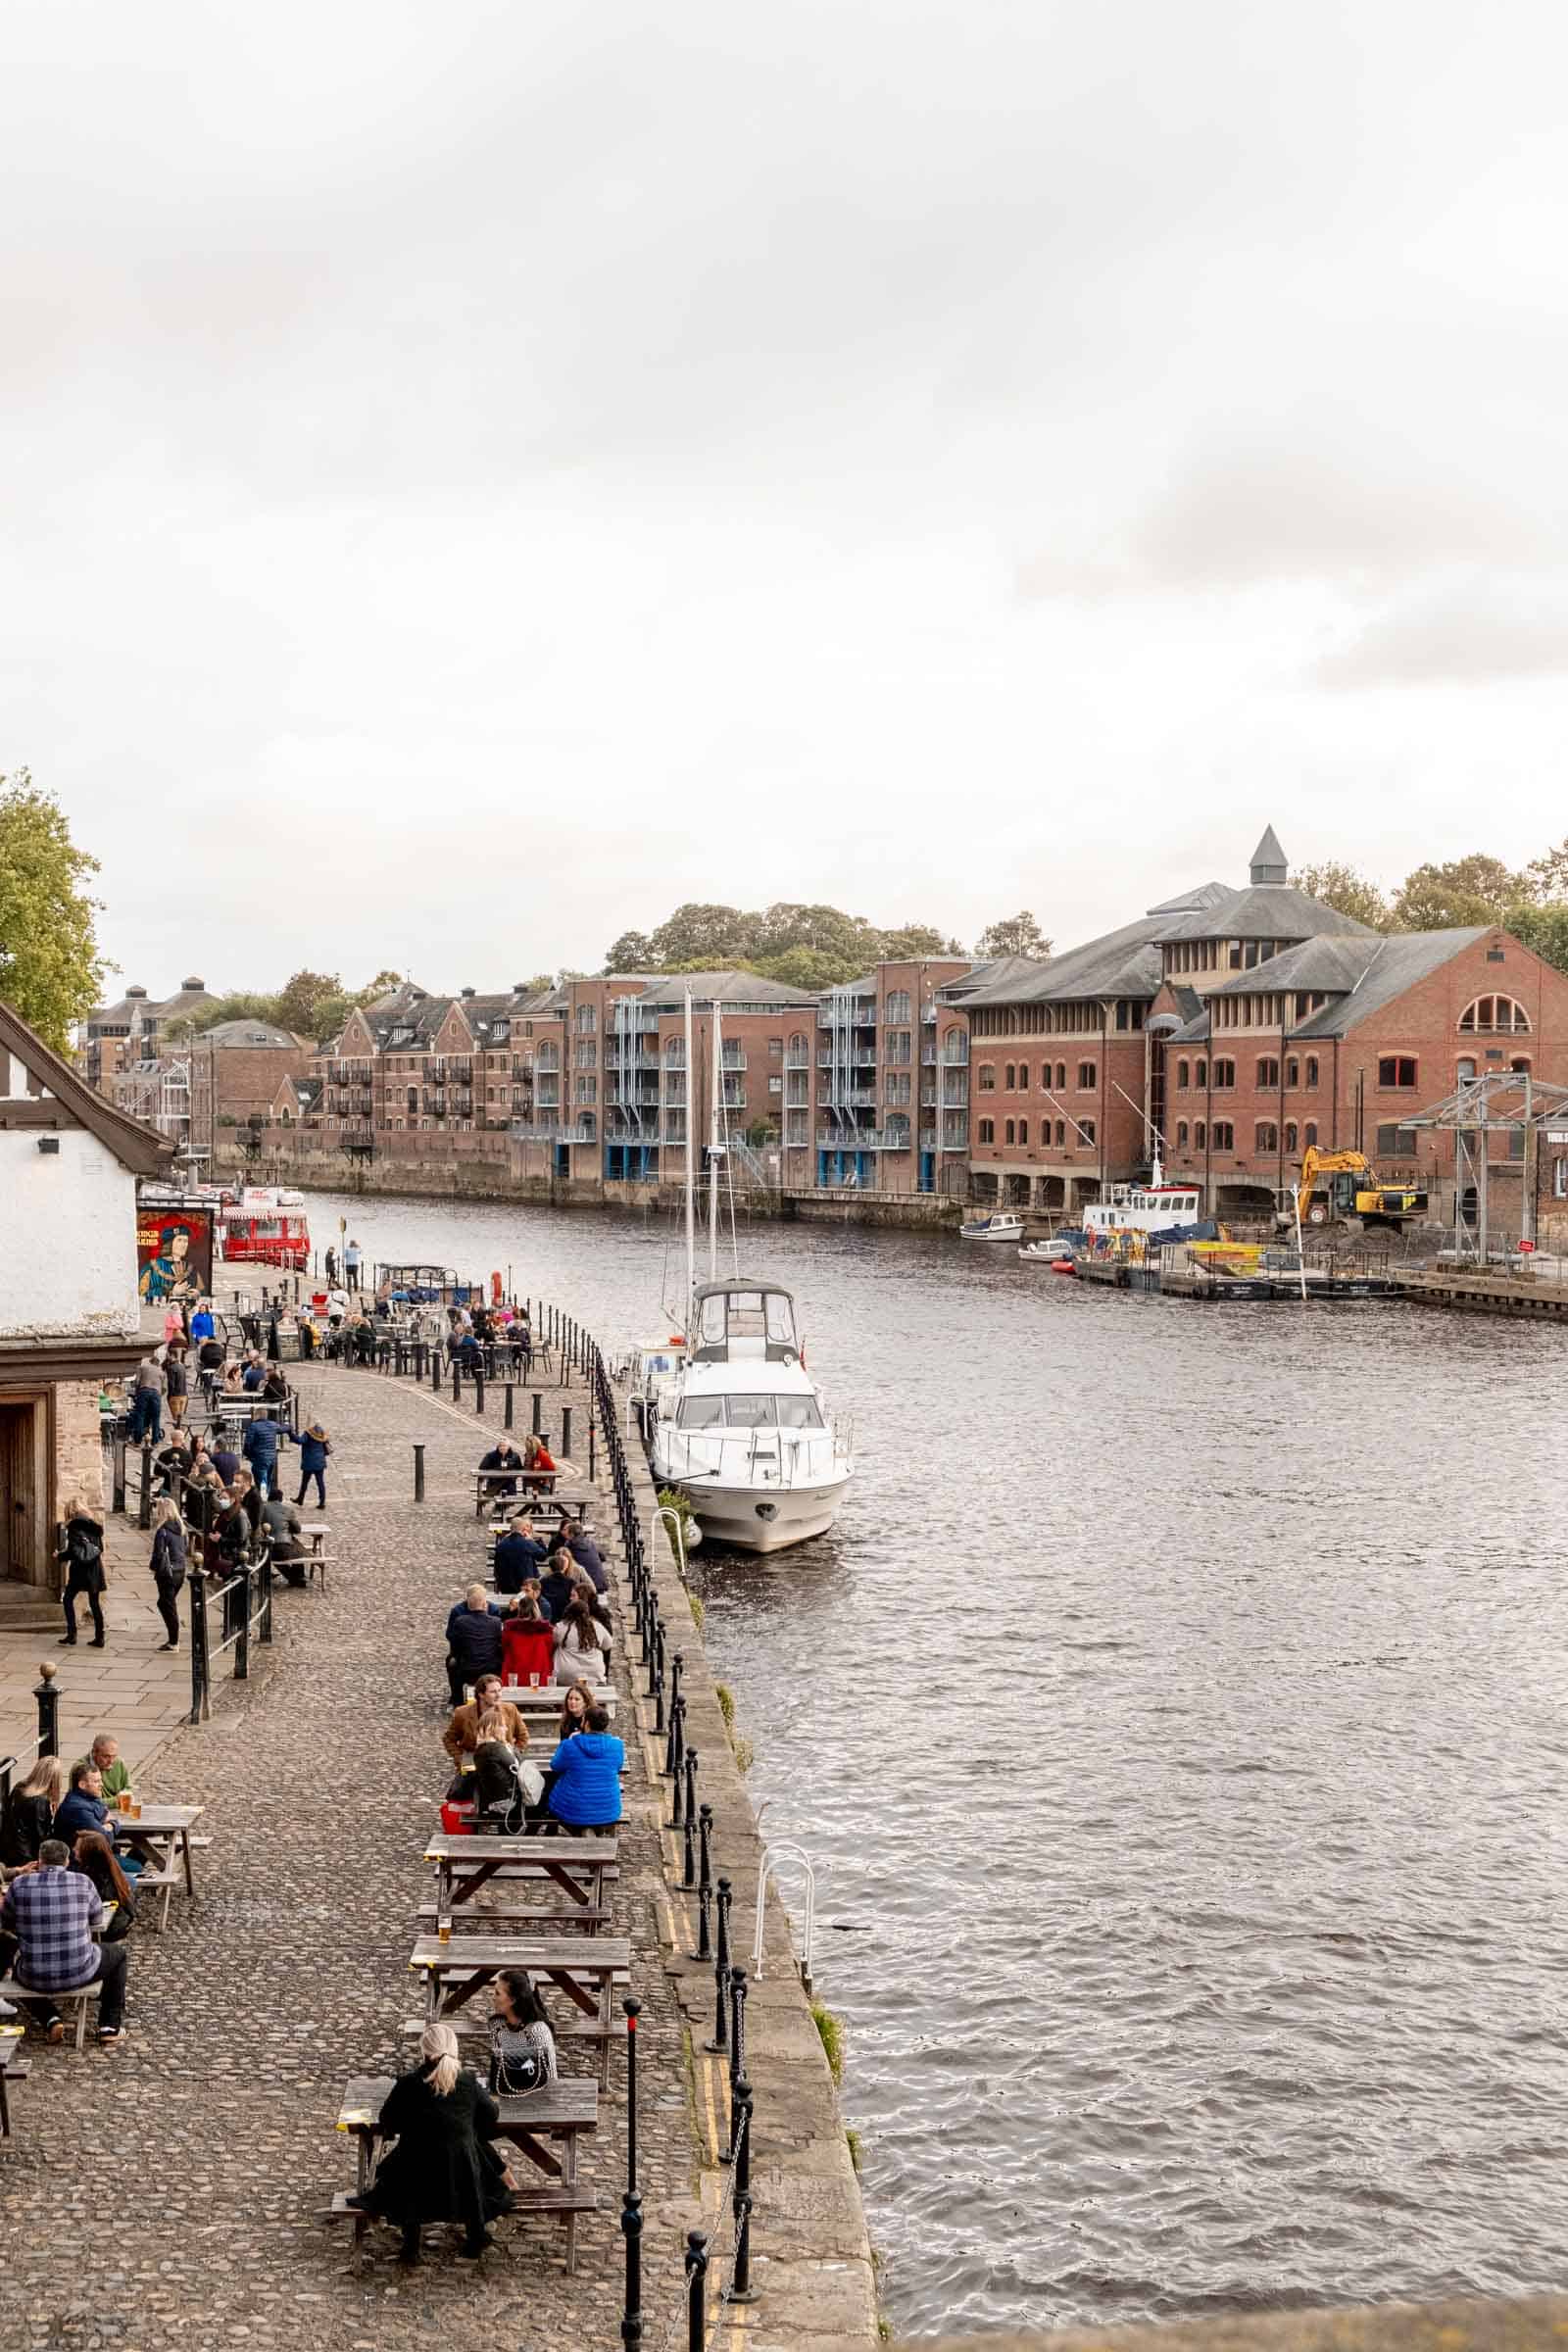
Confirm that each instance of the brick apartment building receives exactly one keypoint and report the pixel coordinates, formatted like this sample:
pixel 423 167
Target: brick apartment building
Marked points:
pixel 417 1063
pixel 121 1038
pixel 147 1058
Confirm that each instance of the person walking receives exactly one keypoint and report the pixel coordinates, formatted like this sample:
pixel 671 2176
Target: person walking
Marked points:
pixel 170 1563
pixel 53 1913
pixel 176 1379
pixel 315 1448
pixel 82 1547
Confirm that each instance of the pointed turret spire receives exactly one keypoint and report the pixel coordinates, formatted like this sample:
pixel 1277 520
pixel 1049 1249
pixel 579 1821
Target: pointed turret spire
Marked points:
pixel 1268 859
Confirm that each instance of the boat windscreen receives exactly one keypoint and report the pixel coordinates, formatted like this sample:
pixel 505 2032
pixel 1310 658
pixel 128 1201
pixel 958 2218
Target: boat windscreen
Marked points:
pixel 749 1413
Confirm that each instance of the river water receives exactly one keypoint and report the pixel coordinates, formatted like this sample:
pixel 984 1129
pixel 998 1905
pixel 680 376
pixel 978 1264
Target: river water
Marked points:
pixel 1177 1720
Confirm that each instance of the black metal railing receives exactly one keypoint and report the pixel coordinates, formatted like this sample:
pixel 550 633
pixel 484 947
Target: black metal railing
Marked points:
pixel 243 1604
pixel 14 1769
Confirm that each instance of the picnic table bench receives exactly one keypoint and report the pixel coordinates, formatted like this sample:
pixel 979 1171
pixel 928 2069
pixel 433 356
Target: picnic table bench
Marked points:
pixel 586 1968
pixel 539 1704
pixel 160 1835
pixel 543 2125
pixel 578 1866
pixel 528 1487
pixel 11 1989
pixel 13 2068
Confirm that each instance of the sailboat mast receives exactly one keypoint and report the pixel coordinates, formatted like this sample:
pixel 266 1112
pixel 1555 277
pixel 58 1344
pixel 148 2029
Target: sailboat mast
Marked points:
pixel 716 1146
pixel 691 1170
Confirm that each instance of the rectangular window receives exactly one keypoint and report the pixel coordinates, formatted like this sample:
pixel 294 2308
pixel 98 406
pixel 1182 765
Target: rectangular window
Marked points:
pixel 776 1086
pixel 1396 1069
pixel 1199 1136
pixel 1224 1074
pixel 1268 1070
pixel 1293 1071
pixel 1181 1134
pixel 1397 1143
pixel 987 1131
pixel 988 1077
pixel 1086 1132
pixel 1223 1134
pixel 1087 1077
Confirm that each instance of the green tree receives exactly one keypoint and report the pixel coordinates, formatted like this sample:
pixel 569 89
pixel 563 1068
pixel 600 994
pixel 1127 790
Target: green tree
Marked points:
pixel 914 942
pixel 699 937
pixel 50 971
pixel 1545 928
pixel 1465 891
pixel 374 990
pixel 1014 935
pixel 306 1003
pixel 1341 887
pixel 538 984
pixel 811 967
pixel 240 1004
pixel 632 951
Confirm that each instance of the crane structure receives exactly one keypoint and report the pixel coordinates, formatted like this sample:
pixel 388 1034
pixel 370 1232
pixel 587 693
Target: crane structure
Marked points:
pixel 1354 1191
pixel 1511 1102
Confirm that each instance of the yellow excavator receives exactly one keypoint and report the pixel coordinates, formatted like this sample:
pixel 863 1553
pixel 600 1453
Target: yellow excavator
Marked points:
pixel 1354 1190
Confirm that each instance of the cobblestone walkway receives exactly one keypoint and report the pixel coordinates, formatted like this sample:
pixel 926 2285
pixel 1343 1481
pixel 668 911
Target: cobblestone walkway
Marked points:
pixel 167 2193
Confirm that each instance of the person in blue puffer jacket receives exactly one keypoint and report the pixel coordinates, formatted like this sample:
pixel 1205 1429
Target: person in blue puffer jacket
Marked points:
pixel 585 1788
pixel 315 1446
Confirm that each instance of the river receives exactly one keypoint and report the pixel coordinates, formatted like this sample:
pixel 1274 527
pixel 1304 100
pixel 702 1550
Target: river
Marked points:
pixel 1177 1720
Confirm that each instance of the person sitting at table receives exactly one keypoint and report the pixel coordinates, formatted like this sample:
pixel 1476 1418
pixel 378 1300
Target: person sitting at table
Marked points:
pixel 582 1645
pixel 519 1346
pixel 274 1388
pixel 571 1537
pixel 528 1643
pixel 83 1807
pixel 30 1811
pixel 247 1493
pixel 502 1456
pixel 234 1379
pixel 461 1734
pixel 48 1919
pixel 585 1794
pixel 522 2048
pixel 473 1640
pixel 574 1711
pixel 504 1784
pixel 519 1556
pixel 92 1854
pixel 443 2167
pixel 539 1466
pixel 287 1552
pixel 113 1777
pixel 558 1587
pixel 254 1376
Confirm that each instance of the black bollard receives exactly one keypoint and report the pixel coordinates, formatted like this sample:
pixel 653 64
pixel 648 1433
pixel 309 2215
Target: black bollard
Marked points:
pixel 144 1508
pixel 566 1430
pixel 689 1879
pixel 119 1459
pixel 478 1390
pixel 740 2290
pixel 418 1473
pixel 705 1882
pixel 650 1644
pixel 720 2041
pixel 737 2053
pixel 509 1404
pixel 593 1463
pixel 538 1401
pixel 47 1699
pixel 633 2008
pixel 457 1382
pixel 435 1371
pixel 672 1745
pixel 632 2223
pixel 677 1814
pixel 676 1664
pixel 696 2289
pixel 659 1670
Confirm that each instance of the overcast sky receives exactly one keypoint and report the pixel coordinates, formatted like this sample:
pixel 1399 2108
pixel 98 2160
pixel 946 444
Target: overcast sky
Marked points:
pixel 477 475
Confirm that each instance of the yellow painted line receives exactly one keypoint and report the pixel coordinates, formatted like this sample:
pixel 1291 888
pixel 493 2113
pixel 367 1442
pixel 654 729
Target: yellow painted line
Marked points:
pixel 706 2072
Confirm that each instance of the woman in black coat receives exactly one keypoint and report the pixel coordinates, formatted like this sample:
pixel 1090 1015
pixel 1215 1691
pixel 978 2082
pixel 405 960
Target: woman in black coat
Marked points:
pixel 81 1549
pixel 443 2168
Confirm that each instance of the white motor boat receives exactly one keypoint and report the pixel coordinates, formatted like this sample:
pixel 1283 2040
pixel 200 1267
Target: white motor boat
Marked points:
pixel 1054 1249
pixel 734 1421
pixel 1155 1210
pixel 739 1425
pixel 1002 1225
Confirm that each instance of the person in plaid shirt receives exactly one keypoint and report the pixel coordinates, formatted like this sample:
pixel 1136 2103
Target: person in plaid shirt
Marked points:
pixel 48 1918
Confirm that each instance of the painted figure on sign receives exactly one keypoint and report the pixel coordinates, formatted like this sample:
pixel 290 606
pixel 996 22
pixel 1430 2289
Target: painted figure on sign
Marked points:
pixel 169 1274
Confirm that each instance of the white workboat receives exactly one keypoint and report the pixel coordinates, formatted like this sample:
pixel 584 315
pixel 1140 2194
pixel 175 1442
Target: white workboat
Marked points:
pixel 1156 1209
pixel 736 1422
pixel 1054 1249
pixel 1002 1225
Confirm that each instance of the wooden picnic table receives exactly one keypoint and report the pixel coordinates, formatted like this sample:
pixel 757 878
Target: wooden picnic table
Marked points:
pixel 13 2068
pixel 534 1506
pixel 586 1968
pixel 527 1486
pixel 543 2125
pixel 544 1700
pixel 161 1835
pixel 577 1866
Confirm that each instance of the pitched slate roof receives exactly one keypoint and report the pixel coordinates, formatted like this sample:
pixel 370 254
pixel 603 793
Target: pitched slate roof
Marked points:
pixel 141 1148
pixel 1119 963
pixel 1398 962
pixel 248 1033
pixel 1335 962
pixel 723 988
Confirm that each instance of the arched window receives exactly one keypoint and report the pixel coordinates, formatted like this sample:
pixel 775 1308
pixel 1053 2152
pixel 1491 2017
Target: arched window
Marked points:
pixel 1009 1133
pixel 1061 1135
pixel 987 1131
pixel 954 1045
pixel 1521 1063
pixel 1309 1134
pixel 1011 1078
pixel 1184 1077
pixel 414 1098
pixel 1266 1136
pixel 1466 1069
pixel 1201 1074
pixel 986 1077
pixel 675 1046
pixel 1493 1016
pixel 1023 1131
pixel 1181 1134
pixel 1292 1137
pixel 1312 1069
pixel 1061 1077
pixel 1023 1077
pixel 1199 1133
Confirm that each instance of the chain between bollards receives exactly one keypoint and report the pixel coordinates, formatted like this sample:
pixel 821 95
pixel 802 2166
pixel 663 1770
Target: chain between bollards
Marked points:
pixel 705 1883
pixel 689 1875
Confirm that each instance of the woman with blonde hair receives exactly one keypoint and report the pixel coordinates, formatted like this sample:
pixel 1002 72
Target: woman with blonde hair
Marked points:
pixel 30 1812
pixel 443 2168
pixel 169 1564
